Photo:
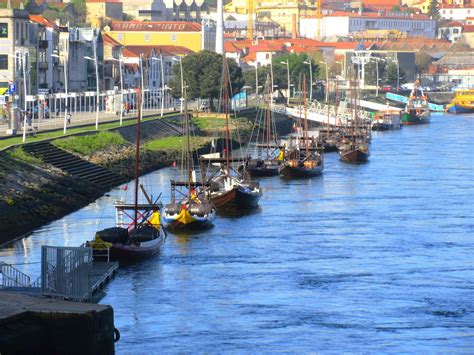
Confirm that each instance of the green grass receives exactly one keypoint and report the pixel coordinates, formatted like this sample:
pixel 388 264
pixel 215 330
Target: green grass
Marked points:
pixel 175 143
pixel 218 124
pixel 20 154
pixel 6 142
pixel 88 144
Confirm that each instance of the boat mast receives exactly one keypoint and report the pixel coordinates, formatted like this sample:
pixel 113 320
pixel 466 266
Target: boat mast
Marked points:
pixel 268 124
pixel 137 152
pixel 187 131
pixel 226 109
pixel 305 117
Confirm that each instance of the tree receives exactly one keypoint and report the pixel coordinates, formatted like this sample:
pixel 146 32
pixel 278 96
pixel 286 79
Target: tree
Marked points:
pixel 394 75
pixel 423 61
pixel 433 11
pixel 202 73
pixel 371 71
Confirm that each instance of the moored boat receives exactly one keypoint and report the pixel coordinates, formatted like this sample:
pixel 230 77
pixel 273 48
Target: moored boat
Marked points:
pixel 386 120
pixel 351 152
pixel 417 110
pixel 300 162
pixel 190 207
pixel 139 236
pixel 463 102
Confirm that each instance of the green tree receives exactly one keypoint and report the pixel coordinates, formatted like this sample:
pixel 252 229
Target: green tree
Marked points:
pixel 202 73
pixel 433 9
pixel 394 75
pixel 371 71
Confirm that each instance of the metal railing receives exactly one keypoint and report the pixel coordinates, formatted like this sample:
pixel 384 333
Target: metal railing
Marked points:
pixel 65 272
pixel 12 277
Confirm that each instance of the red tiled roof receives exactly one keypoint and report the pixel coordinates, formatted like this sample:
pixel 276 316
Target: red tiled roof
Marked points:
pixel 468 29
pixel 232 47
pixel 450 24
pixel 164 26
pixel 43 21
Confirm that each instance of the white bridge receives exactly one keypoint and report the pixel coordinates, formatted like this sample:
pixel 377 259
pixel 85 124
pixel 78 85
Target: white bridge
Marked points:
pixel 318 112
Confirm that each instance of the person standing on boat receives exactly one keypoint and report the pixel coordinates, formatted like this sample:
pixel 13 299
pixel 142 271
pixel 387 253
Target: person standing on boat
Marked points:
pixel 155 219
pixel 281 155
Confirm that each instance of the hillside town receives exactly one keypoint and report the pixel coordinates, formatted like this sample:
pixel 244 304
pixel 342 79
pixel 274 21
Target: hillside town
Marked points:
pixel 44 43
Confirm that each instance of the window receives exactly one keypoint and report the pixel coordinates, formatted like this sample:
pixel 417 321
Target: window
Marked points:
pixel 3 30
pixel 3 61
pixel 173 37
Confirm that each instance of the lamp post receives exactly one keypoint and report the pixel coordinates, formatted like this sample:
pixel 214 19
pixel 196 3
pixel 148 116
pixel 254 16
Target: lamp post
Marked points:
pixel 288 78
pixel 327 80
pixel 377 60
pixel 162 83
pixel 23 69
pixel 120 60
pixel 65 89
pixel 96 82
pixel 180 60
pixel 398 73
pixel 310 77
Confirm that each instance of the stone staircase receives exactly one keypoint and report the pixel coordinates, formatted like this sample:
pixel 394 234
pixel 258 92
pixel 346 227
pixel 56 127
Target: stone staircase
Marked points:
pixel 74 165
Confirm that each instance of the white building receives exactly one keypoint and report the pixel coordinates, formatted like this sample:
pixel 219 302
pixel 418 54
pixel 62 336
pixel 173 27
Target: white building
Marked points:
pixel 450 30
pixel 166 10
pixel 340 24
pixel 456 12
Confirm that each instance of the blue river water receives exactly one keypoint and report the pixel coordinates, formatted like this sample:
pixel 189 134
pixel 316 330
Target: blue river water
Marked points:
pixel 376 257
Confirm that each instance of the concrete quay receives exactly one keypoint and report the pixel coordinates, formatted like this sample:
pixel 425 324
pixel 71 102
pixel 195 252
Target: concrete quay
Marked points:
pixel 38 325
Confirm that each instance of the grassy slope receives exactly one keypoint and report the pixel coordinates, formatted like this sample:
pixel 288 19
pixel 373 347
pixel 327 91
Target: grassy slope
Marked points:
pixel 88 144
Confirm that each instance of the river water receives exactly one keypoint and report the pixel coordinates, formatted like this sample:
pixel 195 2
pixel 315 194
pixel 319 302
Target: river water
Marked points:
pixel 366 258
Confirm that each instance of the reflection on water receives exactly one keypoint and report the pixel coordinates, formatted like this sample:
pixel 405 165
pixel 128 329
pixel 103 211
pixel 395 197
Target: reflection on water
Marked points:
pixel 366 258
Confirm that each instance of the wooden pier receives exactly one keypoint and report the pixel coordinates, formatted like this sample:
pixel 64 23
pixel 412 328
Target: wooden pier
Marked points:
pixel 102 272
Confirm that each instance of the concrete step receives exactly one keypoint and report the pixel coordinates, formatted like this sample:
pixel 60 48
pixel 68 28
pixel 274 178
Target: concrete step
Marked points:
pixel 73 165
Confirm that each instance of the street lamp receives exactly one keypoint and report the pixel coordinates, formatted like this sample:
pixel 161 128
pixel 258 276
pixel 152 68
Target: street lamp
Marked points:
pixel 65 89
pixel 96 82
pixel 120 60
pixel 23 65
pixel 398 73
pixel 162 83
pixel 327 80
pixel 310 77
pixel 180 60
pixel 288 78
pixel 377 60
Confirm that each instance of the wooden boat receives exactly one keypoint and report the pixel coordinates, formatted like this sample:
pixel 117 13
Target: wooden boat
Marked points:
pixel 191 208
pixel 139 236
pixel 300 163
pixel 230 189
pixel 267 161
pixel 354 152
pixel 417 110
pixel 354 147
pixel 386 120
pixel 463 102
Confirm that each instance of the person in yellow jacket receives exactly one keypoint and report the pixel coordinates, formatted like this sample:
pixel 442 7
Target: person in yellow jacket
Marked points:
pixel 281 155
pixel 155 219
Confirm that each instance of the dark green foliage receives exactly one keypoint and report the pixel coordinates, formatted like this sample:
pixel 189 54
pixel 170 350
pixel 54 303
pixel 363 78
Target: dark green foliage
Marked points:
pixel 433 10
pixel 202 74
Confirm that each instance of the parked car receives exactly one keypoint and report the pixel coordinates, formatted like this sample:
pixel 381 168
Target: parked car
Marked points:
pixel 387 88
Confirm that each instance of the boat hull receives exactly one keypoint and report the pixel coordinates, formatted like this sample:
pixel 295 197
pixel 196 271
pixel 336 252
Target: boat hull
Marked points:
pixel 413 119
pixel 354 156
pixel 197 222
pixel 300 172
pixel 457 108
pixel 264 171
pixel 133 252
pixel 236 198
pixel 380 126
